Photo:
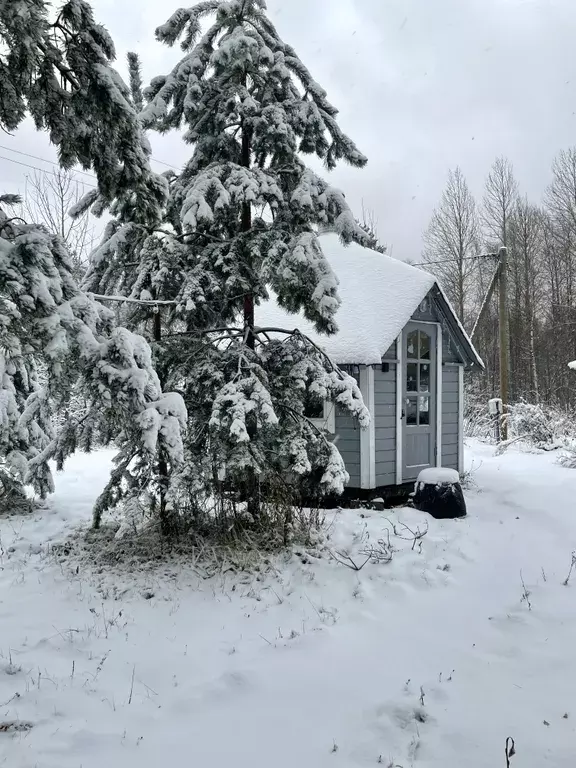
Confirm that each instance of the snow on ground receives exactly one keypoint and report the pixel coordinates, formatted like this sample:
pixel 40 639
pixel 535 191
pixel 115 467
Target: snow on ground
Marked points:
pixel 430 660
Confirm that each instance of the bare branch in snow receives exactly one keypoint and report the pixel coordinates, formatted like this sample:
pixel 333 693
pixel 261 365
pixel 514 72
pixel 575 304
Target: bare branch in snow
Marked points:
pixel 572 565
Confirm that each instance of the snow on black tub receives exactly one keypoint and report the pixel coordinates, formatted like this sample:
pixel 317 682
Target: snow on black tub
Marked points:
pixel 438 492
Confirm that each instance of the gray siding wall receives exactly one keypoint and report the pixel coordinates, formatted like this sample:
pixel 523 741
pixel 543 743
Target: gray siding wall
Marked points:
pixel 348 432
pixel 347 439
pixel 385 425
pixel 430 315
pixel 450 416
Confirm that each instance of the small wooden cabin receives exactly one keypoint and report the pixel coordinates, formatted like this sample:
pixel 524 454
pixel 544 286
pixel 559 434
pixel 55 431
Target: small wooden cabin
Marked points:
pixel 399 336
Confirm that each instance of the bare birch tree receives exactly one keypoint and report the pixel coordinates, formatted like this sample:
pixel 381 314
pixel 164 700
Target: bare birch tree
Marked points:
pixel 561 203
pixel 496 215
pixel 560 200
pixel 48 197
pixel 369 224
pixel 451 242
pixel 526 254
pixel 500 197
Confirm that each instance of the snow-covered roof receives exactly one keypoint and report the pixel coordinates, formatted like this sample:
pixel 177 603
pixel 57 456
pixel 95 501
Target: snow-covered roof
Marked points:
pixel 379 295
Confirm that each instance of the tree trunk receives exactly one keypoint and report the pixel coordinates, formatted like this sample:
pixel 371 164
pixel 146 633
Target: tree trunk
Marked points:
pixel 530 317
pixel 534 368
pixel 246 226
pixel 167 522
pixel 251 488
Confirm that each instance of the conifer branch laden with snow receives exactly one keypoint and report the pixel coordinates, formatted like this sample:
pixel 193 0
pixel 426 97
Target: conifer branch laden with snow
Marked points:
pixel 135 75
pixel 54 341
pixel 240 228
pixel 58 69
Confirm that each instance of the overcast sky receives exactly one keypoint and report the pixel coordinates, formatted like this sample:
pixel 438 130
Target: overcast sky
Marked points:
pixel 421 85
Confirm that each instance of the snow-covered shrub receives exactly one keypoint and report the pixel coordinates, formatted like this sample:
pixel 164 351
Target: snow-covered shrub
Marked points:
pixel 13 498
pixel 538 425
pixel 542 426
pixel 532 423
pixel 568 456
pixel 467 478
pixel 478 422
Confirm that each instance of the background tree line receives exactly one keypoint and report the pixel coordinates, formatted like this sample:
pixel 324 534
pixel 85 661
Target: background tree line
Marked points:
pixel 541 242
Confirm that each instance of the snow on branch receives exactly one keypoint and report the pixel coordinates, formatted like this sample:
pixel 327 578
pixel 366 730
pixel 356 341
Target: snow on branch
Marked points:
pixel 217 189
pixel 314 197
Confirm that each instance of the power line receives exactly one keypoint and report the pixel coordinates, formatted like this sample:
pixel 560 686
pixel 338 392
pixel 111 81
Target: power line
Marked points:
pixel 451 261
pixel 53 173
pixel 84 173
pixel 40 170
pixel 42 160
pixel 169 165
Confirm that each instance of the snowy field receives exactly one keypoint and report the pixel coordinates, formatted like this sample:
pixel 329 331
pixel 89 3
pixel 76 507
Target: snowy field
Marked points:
pixel 430 660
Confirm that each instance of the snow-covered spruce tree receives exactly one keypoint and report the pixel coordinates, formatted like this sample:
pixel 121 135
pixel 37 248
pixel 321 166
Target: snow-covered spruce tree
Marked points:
pixel 241 226
pixel 47 323
pixel 55 64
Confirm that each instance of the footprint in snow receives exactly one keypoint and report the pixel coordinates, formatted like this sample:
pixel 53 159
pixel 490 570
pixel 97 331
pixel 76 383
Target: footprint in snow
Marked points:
pixel 402 729
pixel 194 698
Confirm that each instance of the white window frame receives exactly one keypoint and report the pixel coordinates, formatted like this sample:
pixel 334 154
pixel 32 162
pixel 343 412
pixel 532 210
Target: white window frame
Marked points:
pixel 327 422
pixel 368 435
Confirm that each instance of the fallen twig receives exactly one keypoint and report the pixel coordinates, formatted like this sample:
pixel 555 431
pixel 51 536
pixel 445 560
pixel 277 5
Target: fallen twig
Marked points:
pixel 525 593
pixel 344 559
pixel 572 565
pixel 507 443
pixel 415 536
pixel 132 684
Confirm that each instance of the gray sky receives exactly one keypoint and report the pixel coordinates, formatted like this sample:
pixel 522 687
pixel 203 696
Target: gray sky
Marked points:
pixel 421 85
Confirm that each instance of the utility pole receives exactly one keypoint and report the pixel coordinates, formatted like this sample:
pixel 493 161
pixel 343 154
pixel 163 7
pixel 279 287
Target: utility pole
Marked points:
pixel 486 303
pixel 500 278
pixel 504 335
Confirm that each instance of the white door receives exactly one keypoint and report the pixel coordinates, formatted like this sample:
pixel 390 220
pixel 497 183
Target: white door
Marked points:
pixel 418 399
